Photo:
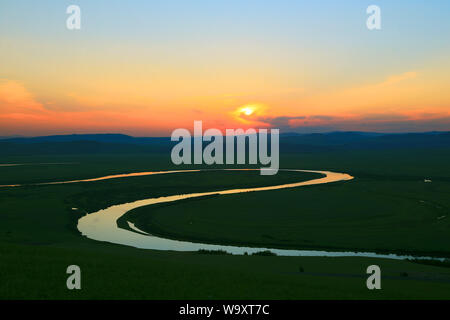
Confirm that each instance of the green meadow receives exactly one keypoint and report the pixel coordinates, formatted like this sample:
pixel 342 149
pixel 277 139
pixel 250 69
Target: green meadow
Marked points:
pixel 387 208
pixel 364 214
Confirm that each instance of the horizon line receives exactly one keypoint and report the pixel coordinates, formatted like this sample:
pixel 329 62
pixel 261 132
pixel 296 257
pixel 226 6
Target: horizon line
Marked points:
pixel 16 136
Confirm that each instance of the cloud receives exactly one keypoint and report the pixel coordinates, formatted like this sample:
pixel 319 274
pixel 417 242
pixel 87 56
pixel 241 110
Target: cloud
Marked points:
pixel 321 117
pixel 393 93
pixel 382 122
pixel 278 122
pixel 16 99
pixel 384 117
pixel 398 78
pixel 21 113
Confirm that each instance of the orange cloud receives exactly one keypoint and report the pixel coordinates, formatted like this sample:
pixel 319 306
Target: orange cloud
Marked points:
pixel 400 77
pixel 16 99
pixel 397 93
pixel 249 113
pixel 21 113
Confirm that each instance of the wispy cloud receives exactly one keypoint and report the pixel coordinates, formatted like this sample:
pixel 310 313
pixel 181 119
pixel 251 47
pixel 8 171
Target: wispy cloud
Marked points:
pixel 398 78
pixel 16 99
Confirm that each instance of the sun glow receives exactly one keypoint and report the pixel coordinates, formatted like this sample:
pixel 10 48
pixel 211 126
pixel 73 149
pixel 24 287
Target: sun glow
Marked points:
pixel 247 111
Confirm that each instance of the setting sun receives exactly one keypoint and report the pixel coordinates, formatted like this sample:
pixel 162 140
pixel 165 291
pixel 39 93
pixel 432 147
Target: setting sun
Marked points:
pixel 247 110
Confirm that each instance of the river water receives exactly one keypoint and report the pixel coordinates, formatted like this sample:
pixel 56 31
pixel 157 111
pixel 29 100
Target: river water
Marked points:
pixel 102 225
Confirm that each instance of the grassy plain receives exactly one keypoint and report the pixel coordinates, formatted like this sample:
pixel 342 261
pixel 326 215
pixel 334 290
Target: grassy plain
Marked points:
pixel 39 239
pixel 365 214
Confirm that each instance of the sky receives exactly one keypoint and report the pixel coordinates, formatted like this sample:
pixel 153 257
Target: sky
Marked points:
pixel 146 68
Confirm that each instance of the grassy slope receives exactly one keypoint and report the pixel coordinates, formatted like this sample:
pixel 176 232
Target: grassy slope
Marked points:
pixel 38 240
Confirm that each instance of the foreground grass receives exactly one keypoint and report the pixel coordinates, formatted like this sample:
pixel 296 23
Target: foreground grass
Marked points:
pixel 112 272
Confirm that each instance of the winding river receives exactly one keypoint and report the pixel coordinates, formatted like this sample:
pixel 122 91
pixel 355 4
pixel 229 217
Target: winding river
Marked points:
pixel 102 225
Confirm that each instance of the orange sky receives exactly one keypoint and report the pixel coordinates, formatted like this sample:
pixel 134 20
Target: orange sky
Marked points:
pixel 55 81
pixel 115 106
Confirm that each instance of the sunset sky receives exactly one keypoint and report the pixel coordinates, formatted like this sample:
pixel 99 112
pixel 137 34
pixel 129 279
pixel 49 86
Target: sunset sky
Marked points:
pixel 145 68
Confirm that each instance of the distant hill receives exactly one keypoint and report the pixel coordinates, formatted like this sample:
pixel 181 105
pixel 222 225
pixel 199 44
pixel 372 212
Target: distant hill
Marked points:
pixel 289 142
pixel 364 140
pixel 107 137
